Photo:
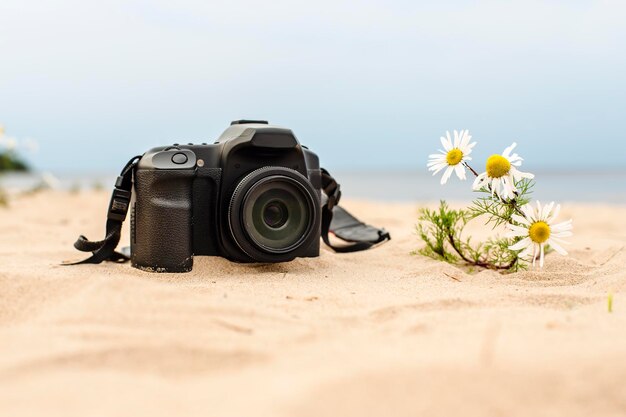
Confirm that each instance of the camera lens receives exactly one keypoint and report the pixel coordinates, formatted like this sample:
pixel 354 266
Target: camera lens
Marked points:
pixel 272 212
pixel 276 213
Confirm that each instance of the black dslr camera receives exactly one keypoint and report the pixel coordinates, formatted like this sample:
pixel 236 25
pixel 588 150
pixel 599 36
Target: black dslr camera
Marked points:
pixel 255 195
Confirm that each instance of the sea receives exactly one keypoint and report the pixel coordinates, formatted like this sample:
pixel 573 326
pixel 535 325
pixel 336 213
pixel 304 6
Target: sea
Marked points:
pixel 395 186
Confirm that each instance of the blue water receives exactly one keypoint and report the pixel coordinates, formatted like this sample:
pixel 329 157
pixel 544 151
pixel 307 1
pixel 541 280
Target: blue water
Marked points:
pixel 606 187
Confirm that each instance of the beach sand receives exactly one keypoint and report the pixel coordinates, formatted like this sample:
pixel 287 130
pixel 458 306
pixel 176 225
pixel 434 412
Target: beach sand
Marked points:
pixel 375 333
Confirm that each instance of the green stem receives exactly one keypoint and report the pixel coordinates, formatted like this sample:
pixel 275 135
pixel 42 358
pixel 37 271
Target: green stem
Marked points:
pixel 484 264
pixel 512 202
pixel 470 168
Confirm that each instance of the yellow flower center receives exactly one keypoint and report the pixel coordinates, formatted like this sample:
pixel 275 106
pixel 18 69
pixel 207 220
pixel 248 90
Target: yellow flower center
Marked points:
pixel 539 232
pixel 497 166
pixel 454 156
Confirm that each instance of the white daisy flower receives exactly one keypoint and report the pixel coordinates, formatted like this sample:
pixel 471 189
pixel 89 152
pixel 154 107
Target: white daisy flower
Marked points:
pixel 453 156
pixel 502 173
pixel 538 229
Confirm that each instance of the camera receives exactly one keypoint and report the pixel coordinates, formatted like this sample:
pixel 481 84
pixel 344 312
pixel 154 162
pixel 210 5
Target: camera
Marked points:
pixel 252 196
pixel 255 195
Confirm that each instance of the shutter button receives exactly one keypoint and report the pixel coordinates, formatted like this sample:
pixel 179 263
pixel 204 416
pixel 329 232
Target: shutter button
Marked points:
pixel 179 158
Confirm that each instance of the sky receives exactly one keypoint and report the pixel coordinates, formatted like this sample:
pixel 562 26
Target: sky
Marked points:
pixel 367 84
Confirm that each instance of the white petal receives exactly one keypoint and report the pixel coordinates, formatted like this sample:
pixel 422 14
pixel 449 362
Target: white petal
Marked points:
pixel 437 165
pixel 541 256
pixel 437 169
pixel 557 247
pixel 547 210
pixel 515 227
pixel 529 213
pixel 520 219
pixel 436 161
pixel 465 139
pixel 460 171
pixel 495 187
pixel 457 139
pixel 562 228
pixel 446 175
pixel 522 244
pixel 566 225
pixel 449 139
pixel 559 240
pixel 526 253
pixel 433 163
pixel 507 187
pixel 512 234
pixel 511 182
pixel 446 143
pixel 508 150
pixel 478 182
pixel 554 214
pixel 519 174
pixel 536 210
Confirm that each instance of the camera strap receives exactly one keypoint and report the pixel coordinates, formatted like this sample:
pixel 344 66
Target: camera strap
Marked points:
pixel 345 226
pixel 335 220
pixel 104 250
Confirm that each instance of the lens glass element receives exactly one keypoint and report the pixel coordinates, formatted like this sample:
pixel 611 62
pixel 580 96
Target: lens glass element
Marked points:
pixel 277 213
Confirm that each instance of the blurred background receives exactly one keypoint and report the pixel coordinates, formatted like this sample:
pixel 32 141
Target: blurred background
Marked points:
pixel 369 85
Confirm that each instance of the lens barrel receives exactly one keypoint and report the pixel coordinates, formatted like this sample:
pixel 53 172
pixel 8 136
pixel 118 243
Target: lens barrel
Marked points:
pixel 272 213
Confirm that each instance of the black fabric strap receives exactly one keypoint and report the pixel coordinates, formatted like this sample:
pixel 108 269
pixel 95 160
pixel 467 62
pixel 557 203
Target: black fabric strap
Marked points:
pixel 339 222
pixel 104 250
pixel 335 220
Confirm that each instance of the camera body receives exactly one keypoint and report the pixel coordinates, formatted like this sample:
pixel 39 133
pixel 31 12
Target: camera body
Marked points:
pixel 252 196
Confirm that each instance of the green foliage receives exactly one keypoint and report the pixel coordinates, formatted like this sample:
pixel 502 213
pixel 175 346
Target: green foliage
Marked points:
pixel 4 198
pixel 11 162
pixel 499 211
pixel 435 227
pixel 442 231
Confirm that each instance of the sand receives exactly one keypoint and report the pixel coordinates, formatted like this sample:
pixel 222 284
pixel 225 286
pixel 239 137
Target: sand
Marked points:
pixel 376 333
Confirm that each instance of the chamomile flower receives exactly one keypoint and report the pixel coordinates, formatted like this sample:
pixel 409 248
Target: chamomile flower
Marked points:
pixel 453 156
pixel 538 229
pixel 501 173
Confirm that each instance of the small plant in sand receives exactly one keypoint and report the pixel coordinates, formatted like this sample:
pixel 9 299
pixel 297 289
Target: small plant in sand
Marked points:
pixel 504 200
pixel 10 160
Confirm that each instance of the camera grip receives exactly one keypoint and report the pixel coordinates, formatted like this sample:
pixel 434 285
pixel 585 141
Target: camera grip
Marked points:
pixel 161 238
